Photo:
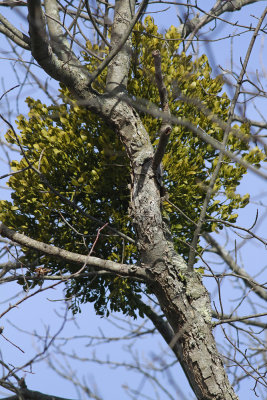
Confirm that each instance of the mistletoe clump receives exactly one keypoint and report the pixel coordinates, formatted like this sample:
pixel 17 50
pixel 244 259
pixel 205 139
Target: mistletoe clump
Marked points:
pixel 83 160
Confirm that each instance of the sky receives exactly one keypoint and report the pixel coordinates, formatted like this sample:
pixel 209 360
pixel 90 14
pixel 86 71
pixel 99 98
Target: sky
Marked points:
pixel 45 311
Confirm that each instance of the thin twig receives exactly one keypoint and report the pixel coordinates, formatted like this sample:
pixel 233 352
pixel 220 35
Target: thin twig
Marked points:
pixel 216 171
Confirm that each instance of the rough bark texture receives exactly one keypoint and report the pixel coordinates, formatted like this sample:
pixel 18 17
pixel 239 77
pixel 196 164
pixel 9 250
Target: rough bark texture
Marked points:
pixel 182 296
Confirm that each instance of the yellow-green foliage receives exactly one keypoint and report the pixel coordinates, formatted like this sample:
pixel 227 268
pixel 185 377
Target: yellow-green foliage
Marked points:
pixel 189 161
pixel 83 159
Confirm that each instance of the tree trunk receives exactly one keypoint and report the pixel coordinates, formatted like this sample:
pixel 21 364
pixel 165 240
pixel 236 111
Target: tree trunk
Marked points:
pixel 181 294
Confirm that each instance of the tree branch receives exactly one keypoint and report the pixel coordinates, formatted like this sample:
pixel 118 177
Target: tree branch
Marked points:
pixel 165 129
pixel 13 3
pixel 60 44
pixel 14 34
pixel 225 319
pixel 220 8
pixel 115 50
pixel 258 124
pixel 248 280
pixel 71 75
pixel 14 265
pixel 95 25
pixel 165 330
pixel 32 395
pixel 107 265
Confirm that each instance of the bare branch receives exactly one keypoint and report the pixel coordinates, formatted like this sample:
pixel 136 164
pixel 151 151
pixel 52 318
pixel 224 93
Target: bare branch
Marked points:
pixel 60 44
pixel 248 230
pixel 14 173
pixel 115 50
pixel 248 280
pixel 220 8
pixel 32 395
pixel 225 319
pixel 95 25
pixel 166 332
pixel 13 3
pixel 14 34
pixel 165 129
pixel 259 124
pixel 42 52
pixel 107 265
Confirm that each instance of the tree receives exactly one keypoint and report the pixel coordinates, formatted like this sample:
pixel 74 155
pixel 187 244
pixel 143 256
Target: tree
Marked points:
pixel 136 160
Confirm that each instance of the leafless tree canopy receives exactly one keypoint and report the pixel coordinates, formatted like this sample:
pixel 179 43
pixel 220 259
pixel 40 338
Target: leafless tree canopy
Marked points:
pixel 219 351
